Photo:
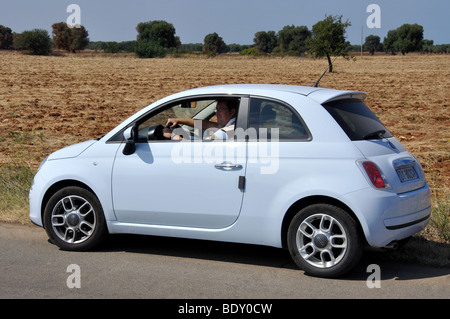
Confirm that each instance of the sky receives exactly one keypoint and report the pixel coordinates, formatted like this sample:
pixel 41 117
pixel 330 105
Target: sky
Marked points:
pixel 236 21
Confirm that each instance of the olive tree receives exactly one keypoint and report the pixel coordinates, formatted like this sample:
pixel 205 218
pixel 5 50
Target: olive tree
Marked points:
pixel 159 32
pixel 265 41
pixel 6 37
pixel 404 39
pixel 328 39
pixel 67 38
pixel 155 38
pixel 292 39
pixel 214 43
pixel 373 44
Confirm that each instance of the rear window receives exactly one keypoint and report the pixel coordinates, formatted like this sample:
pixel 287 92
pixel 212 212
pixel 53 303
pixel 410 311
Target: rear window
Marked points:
pixel 357 120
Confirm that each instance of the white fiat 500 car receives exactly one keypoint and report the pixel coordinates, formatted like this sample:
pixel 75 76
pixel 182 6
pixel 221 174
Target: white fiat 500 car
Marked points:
pixel 305 168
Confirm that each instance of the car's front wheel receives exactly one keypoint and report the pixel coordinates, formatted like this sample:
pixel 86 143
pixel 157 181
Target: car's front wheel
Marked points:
pixel 74 219
pixel 324 240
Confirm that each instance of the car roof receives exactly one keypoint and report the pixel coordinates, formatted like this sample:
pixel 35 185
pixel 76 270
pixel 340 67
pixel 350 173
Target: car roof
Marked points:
pixel 320 95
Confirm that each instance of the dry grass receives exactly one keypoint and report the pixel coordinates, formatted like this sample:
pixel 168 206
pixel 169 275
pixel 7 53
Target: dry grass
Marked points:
pixel 50 102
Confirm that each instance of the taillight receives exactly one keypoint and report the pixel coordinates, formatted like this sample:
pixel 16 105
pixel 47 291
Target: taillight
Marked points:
pixel 374 175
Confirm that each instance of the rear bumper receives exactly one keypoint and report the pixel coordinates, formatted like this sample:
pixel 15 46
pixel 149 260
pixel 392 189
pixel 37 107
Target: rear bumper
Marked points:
pixel 386 216
pixel 408 220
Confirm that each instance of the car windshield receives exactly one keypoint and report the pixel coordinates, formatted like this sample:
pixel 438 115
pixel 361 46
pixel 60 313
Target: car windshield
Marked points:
pixel 357 120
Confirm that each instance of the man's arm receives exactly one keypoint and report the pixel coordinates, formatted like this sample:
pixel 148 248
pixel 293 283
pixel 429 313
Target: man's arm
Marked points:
pixel 191 122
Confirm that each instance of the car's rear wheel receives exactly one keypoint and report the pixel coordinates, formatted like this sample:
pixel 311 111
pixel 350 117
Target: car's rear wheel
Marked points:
pixel 324 240
pixel 74 219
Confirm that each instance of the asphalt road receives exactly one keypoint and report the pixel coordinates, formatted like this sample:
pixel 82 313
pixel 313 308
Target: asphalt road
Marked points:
pixel 154 267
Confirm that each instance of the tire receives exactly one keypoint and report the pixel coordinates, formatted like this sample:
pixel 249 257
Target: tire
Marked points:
pixel 324 240
pixel 74 219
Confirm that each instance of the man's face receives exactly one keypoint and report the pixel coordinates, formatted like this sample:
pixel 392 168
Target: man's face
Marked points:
pixel 223 113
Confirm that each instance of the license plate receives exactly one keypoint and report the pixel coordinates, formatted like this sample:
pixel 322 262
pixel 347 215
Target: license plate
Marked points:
pixel 407 174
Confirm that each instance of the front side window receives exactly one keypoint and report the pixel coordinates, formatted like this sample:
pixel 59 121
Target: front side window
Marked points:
pixel 268 117
pixel 185 109
pixel 191 119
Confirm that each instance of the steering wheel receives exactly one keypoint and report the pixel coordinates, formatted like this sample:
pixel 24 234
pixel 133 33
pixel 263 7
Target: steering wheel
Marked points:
pixel 155 133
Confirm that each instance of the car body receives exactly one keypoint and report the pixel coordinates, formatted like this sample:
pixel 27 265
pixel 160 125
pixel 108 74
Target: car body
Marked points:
pixel 310 169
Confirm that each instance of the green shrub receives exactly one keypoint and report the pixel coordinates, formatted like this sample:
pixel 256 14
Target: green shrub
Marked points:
pixel 251 52
pixel 146 49
pixel 112 47
pixel 37 41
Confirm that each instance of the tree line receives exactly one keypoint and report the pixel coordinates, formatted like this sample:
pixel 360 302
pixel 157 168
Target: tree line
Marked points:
pixel 38 41
pixel 406 38
pixel 158 38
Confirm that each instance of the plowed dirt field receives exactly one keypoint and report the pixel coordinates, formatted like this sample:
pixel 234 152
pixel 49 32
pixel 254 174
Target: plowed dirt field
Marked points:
pixel 47 102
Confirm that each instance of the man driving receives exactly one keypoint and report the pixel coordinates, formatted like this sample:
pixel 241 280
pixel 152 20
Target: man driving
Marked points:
pixel 226 111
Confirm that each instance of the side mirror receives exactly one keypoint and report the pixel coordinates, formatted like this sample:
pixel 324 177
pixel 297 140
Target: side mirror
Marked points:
pixel 129 136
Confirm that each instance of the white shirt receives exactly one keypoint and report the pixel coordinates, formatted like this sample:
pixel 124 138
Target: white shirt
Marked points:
pixel 225 132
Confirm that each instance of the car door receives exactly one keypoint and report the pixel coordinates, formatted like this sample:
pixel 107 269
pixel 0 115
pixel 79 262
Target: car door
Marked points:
pixel 278 153
pixel 189 183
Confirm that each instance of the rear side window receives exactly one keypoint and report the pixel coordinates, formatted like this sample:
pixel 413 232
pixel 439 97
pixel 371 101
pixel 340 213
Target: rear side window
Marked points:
pixel 266 115
pixel 357 120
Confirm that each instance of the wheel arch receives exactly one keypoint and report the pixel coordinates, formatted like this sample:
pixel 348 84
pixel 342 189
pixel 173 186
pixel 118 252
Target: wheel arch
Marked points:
pixel 307 201
pixel 60 185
